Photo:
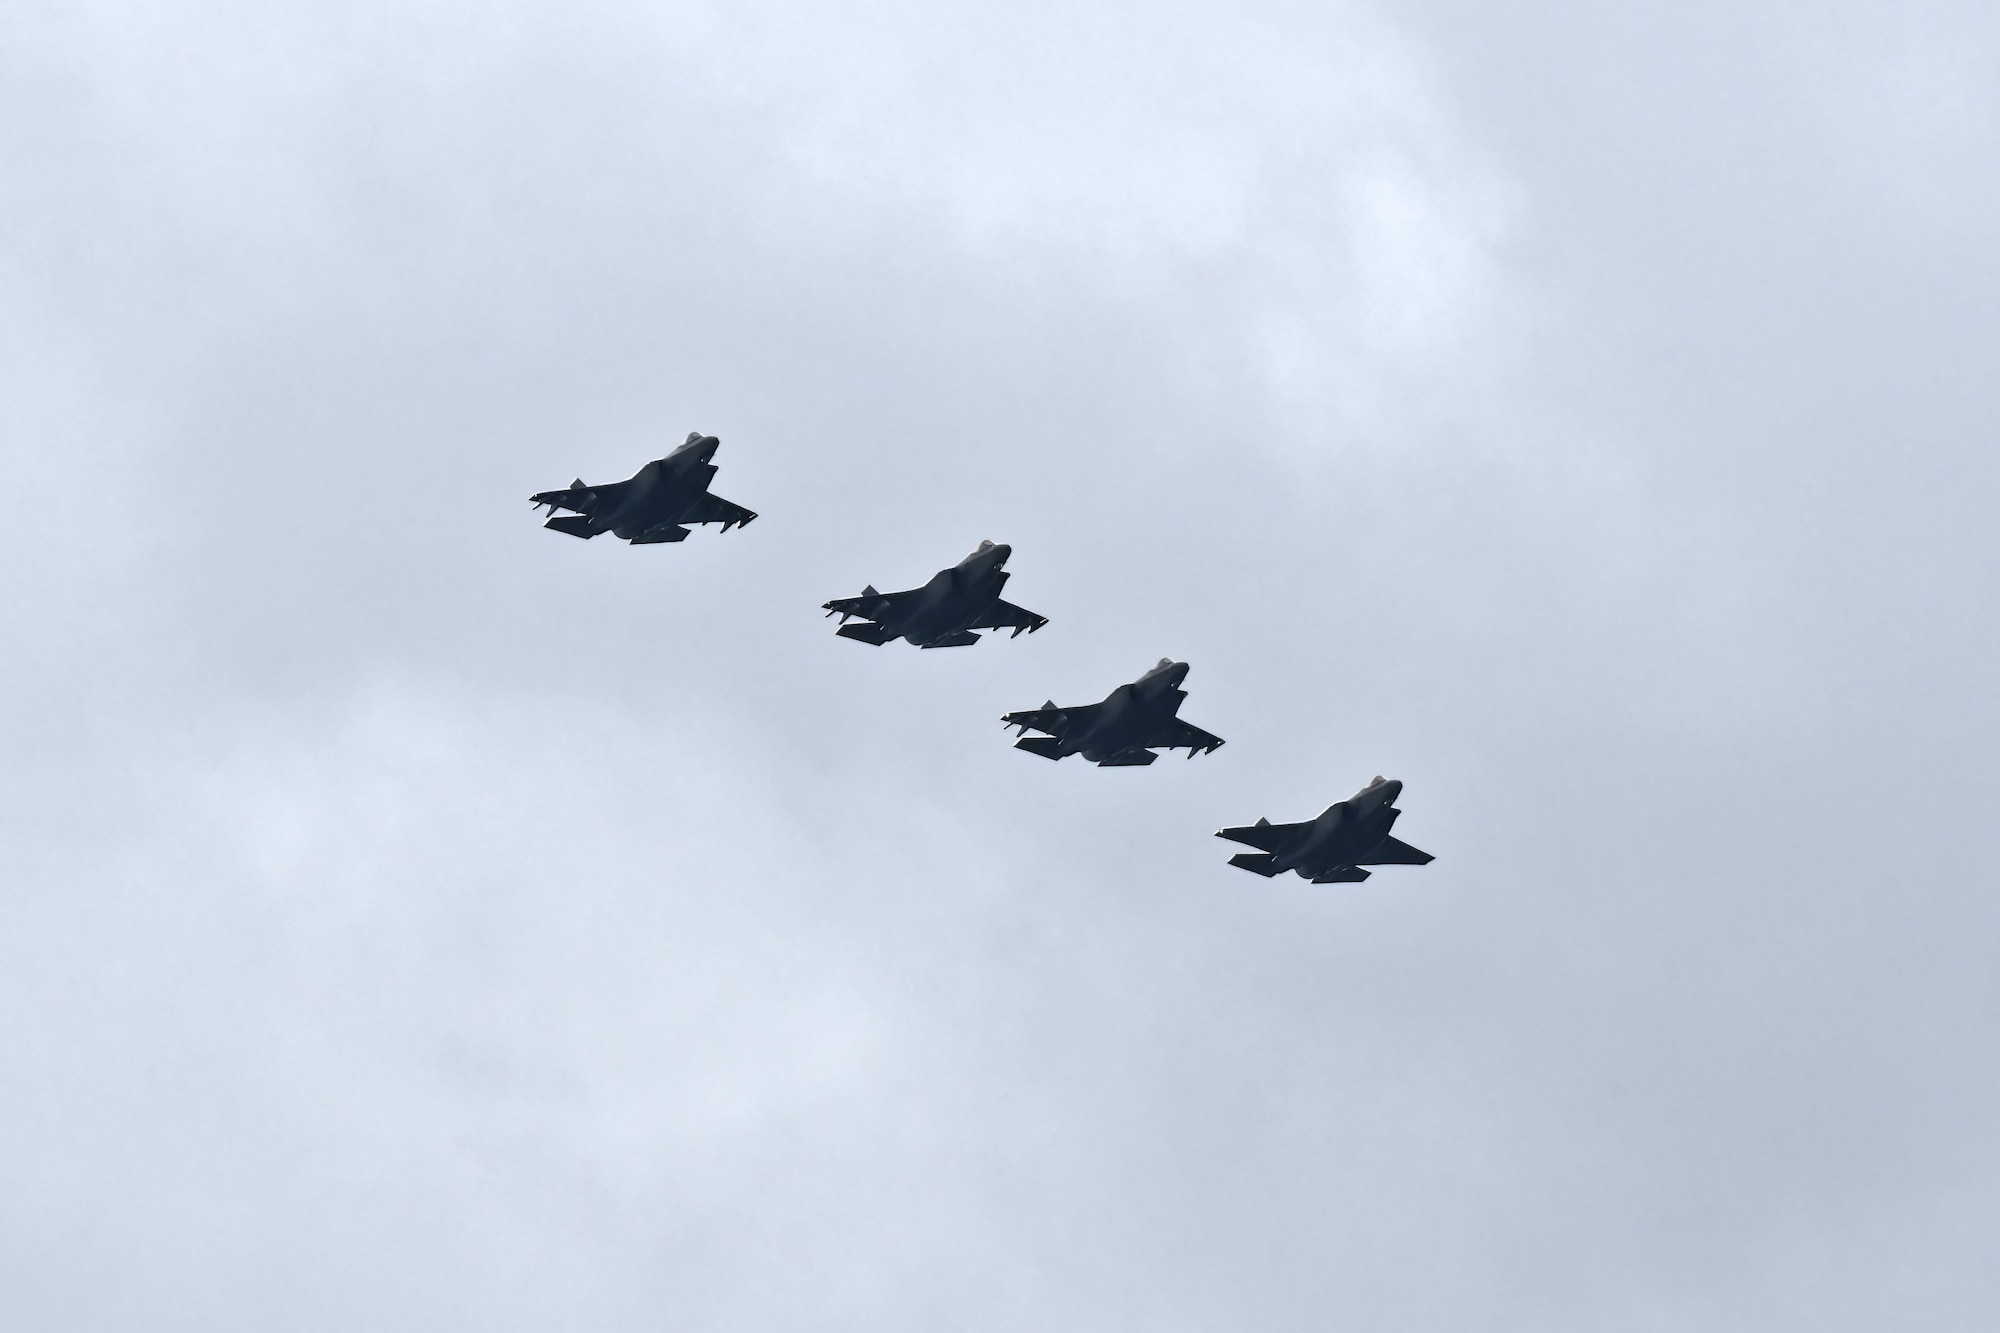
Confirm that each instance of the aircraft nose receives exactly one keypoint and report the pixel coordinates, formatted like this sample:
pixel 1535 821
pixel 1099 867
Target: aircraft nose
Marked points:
pixel 1000 552
pixel 1390 791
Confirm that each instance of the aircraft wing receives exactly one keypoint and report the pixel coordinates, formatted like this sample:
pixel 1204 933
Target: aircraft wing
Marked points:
pixel 1006 615
pixel 1263 835
pixel 713 508
pixel 579 497
pixel 1177 734
pixel 1394 852
pixel 1055 721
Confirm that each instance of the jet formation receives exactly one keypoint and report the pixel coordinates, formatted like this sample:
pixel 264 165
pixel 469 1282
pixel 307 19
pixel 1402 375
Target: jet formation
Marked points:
pixel 945 611
pixel 670 495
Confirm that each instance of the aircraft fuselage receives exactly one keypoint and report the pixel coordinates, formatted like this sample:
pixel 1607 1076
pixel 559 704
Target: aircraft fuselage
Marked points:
pixel 662 492
pixel 954 599
pixel 1130 714
pixel 1344 831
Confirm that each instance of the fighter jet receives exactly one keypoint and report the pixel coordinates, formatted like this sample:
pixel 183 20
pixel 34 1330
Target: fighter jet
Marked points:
pixel 653 505
pixel 944 612
pixel 1124 730
pixel 1331 849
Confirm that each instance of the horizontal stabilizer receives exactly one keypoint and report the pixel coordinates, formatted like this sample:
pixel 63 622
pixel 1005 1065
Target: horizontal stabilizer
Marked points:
pixel 1048 747
pixel 1047 718
pixel 1395 852
pixel 869 606
pixel 576 525
pixel 1255 864
pixel 965 638
pixel 865 632
pixel 1341 875
pixel 1263 834
pixel 1130 759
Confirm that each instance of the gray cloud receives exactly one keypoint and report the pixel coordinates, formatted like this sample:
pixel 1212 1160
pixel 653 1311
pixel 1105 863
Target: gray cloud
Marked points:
pixel 414 918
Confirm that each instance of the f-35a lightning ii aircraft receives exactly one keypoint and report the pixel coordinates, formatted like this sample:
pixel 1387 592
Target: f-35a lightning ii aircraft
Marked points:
pixel 653 505
pixel 1331 849
pixel 1124 730
pixel 944 612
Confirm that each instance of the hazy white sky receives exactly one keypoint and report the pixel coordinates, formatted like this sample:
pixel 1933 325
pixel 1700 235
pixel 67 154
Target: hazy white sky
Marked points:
pixel 414 919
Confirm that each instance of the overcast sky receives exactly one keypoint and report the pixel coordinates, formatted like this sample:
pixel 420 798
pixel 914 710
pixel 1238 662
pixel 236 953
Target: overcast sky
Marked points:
pixel 412 919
